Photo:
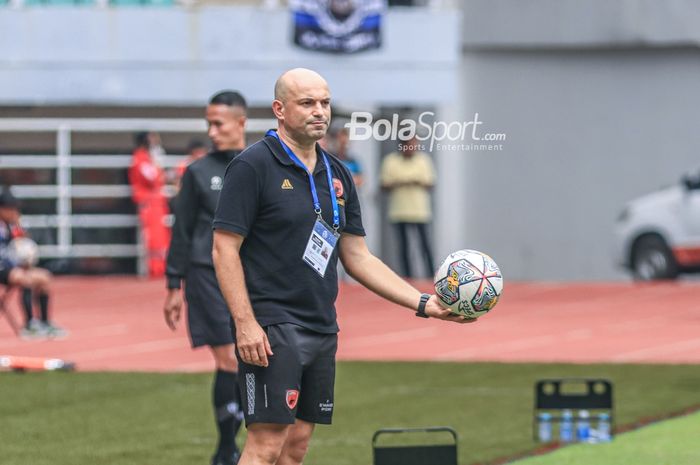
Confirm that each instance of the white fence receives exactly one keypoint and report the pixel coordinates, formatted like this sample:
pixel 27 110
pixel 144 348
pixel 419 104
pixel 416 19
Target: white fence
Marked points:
pixel 63 191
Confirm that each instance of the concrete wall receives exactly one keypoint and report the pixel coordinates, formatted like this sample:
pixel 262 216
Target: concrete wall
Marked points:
pixel 576 24
pixel 180 56
pixel 598 108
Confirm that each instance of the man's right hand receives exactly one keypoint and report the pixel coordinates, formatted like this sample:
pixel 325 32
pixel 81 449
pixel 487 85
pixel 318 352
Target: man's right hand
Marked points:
pixel 434 310
pixel 172 308
pixel 252 343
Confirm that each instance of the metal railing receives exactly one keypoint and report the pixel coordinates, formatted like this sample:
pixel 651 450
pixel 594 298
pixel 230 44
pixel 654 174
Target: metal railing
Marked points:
pixel 64 191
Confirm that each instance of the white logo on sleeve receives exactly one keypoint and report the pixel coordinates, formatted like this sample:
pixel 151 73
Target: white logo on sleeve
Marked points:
pixel 216 183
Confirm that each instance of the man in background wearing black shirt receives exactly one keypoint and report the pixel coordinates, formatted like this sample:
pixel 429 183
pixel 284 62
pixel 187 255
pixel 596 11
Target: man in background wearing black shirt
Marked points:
pixel 189 260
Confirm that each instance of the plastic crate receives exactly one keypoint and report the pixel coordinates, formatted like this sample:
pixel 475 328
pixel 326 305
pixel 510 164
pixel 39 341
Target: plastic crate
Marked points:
pixel 423 454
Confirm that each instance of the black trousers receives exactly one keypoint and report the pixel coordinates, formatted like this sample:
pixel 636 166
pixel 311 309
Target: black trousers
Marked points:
pixel 422 229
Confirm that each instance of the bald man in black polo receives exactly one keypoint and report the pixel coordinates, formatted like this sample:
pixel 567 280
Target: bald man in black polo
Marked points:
pixel 287 212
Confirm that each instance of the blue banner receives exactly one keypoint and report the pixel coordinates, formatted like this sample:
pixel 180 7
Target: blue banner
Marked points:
pixel 337 26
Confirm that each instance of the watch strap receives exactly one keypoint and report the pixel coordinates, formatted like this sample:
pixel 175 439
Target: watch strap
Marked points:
pixel 421 306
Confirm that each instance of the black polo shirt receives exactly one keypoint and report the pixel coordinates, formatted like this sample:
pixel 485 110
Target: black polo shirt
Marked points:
pixel 194 209
pixel 267 199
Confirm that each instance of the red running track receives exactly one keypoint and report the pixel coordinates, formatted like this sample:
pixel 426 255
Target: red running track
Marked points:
pixel 116 323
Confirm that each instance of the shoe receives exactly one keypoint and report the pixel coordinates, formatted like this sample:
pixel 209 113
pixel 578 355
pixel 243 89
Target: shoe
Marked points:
pixel 35 329
pixel 233 460
pixel 53 331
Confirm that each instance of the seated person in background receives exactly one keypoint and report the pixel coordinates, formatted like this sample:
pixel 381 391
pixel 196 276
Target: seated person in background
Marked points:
pixel 32 281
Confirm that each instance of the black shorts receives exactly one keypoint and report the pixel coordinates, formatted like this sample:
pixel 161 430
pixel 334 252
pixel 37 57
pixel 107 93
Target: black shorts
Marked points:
pixel 299 381
pixel 208 318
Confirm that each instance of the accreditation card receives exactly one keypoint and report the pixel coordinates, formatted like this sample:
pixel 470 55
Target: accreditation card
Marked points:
pixel 320 247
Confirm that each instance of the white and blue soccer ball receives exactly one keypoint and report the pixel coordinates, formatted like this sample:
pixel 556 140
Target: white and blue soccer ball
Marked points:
pixel 468 283
pixel 23 251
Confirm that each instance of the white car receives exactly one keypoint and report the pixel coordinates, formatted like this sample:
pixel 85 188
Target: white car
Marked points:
pixel 657 236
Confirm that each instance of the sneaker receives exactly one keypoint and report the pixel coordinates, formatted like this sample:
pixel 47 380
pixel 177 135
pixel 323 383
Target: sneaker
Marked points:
pixel 233 460
pixel 35 329
pixel 53 331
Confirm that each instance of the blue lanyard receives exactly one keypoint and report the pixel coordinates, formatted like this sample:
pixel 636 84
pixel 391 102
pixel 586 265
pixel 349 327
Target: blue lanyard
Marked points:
pixel 312 183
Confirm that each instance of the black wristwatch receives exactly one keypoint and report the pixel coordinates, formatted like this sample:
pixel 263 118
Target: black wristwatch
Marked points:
pixel 421 306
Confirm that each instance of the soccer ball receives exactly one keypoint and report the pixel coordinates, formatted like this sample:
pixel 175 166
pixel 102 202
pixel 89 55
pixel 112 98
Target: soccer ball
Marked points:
pixel 23 251
pixel 468 283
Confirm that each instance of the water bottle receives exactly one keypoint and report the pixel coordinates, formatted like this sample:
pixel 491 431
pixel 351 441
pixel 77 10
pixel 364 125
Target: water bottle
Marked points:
pixel 604 428
pixel 583 426
pixel 566 428
pixel 544 427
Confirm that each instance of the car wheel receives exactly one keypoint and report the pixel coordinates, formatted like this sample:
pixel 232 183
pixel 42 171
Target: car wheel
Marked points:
pixel 653 260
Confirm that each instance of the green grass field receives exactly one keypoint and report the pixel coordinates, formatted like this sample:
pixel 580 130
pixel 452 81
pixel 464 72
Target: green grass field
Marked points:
pixel 135 418
pixel 672 442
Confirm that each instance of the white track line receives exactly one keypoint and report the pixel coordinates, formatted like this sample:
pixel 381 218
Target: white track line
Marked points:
pixel 510 346
pixel 194 367
pixel 650 352
pixel 101 331
pixel 131 349
pixel 83 334
pixel 388 338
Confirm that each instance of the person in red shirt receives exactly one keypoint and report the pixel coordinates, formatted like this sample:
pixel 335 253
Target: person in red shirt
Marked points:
pixel 147 179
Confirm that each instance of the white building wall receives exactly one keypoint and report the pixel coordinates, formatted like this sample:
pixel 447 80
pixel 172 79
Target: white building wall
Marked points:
pixel 136 56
